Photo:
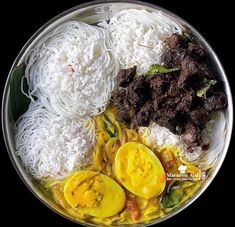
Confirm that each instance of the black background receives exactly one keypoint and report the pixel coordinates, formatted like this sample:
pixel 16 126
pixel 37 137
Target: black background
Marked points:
pixel 20 20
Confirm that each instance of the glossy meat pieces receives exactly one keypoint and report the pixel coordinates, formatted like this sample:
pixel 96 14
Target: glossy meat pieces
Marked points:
pixel 126 76
pixel 171 99
pixel 192 135
pixel 138 92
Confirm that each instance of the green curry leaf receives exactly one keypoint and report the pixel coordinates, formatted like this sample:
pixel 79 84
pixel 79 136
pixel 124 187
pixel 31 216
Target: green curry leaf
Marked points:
pixel 110 127
pixel 159 69
pixel 19 102
pixel 208 84
pixel 172 198
pixel 188 36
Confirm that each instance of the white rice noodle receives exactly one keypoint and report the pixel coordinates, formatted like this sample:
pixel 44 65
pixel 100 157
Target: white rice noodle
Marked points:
pixel 74 68
pixel 138 37
pixel 52 146
pixel 159 136
pixel 215 133
pixel 193 156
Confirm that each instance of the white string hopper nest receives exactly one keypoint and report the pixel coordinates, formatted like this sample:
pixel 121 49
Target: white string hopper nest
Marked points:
pixel 138 37
pixel 74 68
pixel 53 146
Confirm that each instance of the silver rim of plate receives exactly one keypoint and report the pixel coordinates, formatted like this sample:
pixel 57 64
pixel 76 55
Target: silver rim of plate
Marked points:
pixel 92 13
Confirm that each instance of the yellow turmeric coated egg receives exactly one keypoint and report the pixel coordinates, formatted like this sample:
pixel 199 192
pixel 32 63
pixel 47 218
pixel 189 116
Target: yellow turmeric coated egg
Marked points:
pixel 139 170
pixel 94 194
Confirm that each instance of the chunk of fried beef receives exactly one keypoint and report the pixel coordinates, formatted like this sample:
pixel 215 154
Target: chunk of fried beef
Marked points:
pixel 171 99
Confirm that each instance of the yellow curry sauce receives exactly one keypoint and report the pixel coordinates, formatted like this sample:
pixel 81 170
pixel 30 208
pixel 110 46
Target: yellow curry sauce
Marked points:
pixel 127 181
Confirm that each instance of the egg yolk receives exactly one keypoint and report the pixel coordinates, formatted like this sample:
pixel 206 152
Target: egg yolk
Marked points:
pixel 94 194
pixel 139 170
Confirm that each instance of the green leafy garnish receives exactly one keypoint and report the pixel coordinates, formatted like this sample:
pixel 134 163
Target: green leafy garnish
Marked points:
pixel 172 198
pixel 208 84
pixel 110 127
pixel 19 101
pixel 159 69
pixel 188 36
